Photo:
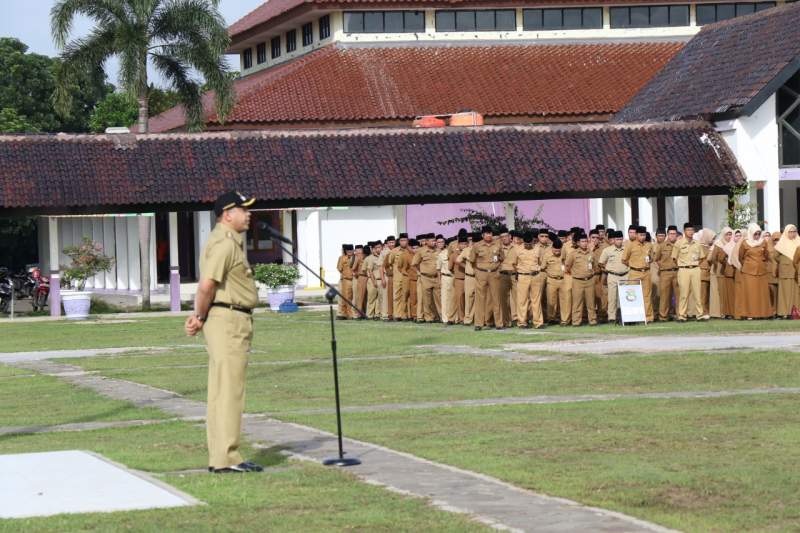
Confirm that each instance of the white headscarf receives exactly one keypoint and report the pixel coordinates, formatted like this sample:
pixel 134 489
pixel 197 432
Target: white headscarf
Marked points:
pixel 705 237
pixel 721 242
pixel 787 246
pixel 732 249
pixel 752 229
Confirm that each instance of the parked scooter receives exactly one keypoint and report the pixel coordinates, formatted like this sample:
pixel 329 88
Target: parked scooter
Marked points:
pixel 6 289
pixel 41 289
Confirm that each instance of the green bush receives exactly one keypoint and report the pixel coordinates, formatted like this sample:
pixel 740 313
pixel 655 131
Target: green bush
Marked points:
pixel 87 260
pixel 273 275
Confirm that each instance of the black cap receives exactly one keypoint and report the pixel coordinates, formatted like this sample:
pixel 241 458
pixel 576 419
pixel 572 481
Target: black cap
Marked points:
pixel 633 227
pixel 580 235
pixel 575 229
pixel 502 229
pixel 515 233
pixel 462 231
pixel 413 242
pixel 641 229
pixel 390 238
pixel 660 231
pixel 557 244
pixel 229 200
pixel 536 232
pixel 594 232
pixel 420 236
pixel 449 240
pixel 672 228
pixel 527 237
pixel 688 225
pixel 600 226
pixel 476 236
pixel 367 249
pixel 462 237
pixel 562 233
pixel 430 235
pixel 609 230
pixel 552 236
pixel 486 229
pixel 439 236
pixel 347 247
pixel 359 246
pixel 647 236
pixel 403 236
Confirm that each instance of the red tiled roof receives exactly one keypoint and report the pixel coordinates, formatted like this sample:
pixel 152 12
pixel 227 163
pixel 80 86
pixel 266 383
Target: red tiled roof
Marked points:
pixel 727 69
pixel 357 84
pixel 115 173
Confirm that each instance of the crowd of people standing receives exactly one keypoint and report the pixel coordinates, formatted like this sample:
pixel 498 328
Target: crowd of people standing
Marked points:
pixel 500 278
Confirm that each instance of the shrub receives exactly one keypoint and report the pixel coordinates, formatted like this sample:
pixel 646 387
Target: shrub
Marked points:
pixel 273 275
pixel 87 260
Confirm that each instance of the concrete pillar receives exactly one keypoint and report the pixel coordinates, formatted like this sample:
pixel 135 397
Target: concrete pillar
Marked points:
pixel 174 267
pixel 55 269
pixel 596 212
pixel 510 221
pixel 624 216
pixel 647 213
pixel 715 211
pixel 400 212
pixel 772 205
pixel 203 224
pixel 286 231
pixel 121 245
pixel 110 246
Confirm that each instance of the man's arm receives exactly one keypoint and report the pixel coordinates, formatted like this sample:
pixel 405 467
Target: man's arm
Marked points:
pixel 206 290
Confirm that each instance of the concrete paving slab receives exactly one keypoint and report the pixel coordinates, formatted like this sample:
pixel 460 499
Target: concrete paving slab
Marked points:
pixel 72 481
pixel 16 357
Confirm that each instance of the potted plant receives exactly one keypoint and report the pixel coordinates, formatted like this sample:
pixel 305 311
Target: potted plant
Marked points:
pixel 279 281
pixel 87 260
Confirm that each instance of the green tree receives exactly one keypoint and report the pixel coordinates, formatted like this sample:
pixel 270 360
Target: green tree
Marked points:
pixel 11 122
pixel 176 37
pixel 116 109
pixel 477 219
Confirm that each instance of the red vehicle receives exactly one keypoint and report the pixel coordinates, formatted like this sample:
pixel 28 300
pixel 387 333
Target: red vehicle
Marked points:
pixel 41 289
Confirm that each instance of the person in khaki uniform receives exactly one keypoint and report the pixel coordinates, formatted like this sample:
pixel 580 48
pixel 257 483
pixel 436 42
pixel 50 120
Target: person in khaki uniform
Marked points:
pixel 527 264
pixel 360 283
pixel 387 285
pixel 706 239
pixel 399 262
pixel 507 279
pixel 446 281
pixel 426 266
pixel 374 279
pixel 596 245
pixel 559 295
pixel 345 266
pixel 688 253
pixel 614 271
pixel 414 284
pixel 579 265
pixel 486 257
pixel 637 256
pixel 469 279
pixel 223 311
pixel 459 278
pixel 667 272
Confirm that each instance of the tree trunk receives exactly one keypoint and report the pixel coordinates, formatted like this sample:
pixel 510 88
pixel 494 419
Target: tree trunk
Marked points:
pixel 144 222
pixel 143 112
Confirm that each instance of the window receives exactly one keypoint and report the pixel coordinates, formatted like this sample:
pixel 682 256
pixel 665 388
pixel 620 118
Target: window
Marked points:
pixel 324 27
pixel 291 41
pixel 275 45
pixel 481 20
pixel 562 19
pixel 711 13
pixel 788 102
pixel 308 34
pixel 261 53
pixel 384 21
pixel 247 58
pixel 649 16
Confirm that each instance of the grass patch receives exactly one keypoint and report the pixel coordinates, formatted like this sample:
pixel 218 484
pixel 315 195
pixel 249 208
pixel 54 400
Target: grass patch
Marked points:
pixel 292 497
pixel 696 465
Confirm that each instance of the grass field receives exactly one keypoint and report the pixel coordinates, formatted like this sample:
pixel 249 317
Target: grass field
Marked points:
pixel 723 464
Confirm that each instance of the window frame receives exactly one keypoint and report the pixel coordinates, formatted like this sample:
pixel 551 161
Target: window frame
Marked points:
pixel 247 58
pixel 291 41
pixel 783 124
pixel 261 53
pixel 465 13
pixel 324 27
pixel 275 47
pixel 671 9
pixel 307 31
pixel 583 11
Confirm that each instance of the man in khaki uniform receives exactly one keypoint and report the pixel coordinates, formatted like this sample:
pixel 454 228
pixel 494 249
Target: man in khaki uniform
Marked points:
pixel 414 284
pixel 459 278
pixel 446 281
pixel 425 265
pixel 360 284
pixel 688 253
pixel 374 279
pixel 597 244
pixel 527 264
pixel 579 266
pixel 507 280
pixel 486 257
pixel 345 266
pixel 399 264
pixel 387 286
pixel 614 270
pixel 559 295
pixel 469 279
pixel 667 272
pixel 637 256
pixel 223 311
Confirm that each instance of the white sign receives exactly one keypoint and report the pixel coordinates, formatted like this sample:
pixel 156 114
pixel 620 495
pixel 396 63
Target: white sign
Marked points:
pixel 631 301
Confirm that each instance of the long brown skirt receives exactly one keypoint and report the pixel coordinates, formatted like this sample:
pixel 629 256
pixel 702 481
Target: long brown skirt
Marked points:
pixel 727 297
pixel 788 296
pixel 752 300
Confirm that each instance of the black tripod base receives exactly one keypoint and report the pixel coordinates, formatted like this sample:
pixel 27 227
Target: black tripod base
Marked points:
pixel 342 461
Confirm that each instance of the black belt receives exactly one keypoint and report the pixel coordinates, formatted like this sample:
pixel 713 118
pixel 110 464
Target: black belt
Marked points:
pixel 555 277
pixel 427 275
pixel 640 269
pixel 507 272
pixel 469 275
pixel 232 307
pixel 618 273
pixel 484 270
pixel 583 279
pixel 528 273
pixel 362 275
pixel 668 270
pixel 348 279
pixel 691 266
pixel 448 275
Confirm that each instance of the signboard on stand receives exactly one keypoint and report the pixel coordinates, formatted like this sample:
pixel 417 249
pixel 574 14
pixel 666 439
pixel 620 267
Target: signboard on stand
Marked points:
pixel 631 301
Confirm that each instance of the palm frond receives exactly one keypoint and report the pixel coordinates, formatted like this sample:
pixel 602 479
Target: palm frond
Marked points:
pixel 177 73
pixel 62 14
pixel 190 21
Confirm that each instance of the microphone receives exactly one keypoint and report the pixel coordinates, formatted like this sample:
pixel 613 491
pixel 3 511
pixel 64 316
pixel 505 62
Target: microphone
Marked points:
pixel 276 234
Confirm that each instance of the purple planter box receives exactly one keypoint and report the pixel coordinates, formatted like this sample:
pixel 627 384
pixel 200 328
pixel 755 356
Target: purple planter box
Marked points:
pixel 277 296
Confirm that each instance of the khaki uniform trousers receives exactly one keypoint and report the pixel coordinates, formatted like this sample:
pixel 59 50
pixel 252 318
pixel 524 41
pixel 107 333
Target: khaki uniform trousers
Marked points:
pixel 437 300
pixel 469 298
pixel 346 288
pixel 504 294
pixel 601 297
pixel 559 300
pixel 689 285
pixel 613 294
pixel 374 299
pixel 361 299
pixel 583 298
pixel 419 298
pixel 486 307
pixel 529 299
pixel 447 298
pixel 458 301
pixel 400 297
pixel 228 337
pixel 414 293
pixel 514 281
pixel 667 288
pixel 705 291
pixel 429 288
pixel 647 290
pixel 388 298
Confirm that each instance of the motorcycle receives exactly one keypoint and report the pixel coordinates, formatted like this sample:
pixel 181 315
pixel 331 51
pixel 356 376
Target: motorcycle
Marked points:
pixel 6 288
pixel 24 284
pixel 41 289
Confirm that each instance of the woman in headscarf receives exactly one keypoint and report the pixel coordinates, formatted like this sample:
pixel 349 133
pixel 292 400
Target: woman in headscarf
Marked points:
pixel 772 269
pixel 733 259
pixel 724 271
pixel 706 239
pixel 786 251
pixel 753 255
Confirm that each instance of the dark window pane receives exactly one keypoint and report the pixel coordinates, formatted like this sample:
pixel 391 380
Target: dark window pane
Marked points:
pixel 484 20
pixel 531 19
pixel 354 22
pixel 373 22
pixel 465 21
pixel 393 22
pixel 592 18
pixel 414 21
pixel 745 9
pixel 790 148
pixel 506 19
pixel 640 17
pixel 308 34
pixel 706 14
pixel 551 19
pixel 678 15
pixel 261 53
pixel 247 58
pixel 572 19
pixel 659 16
pixel 620 17
pixel 324 27
pixel 725 11
pixel 275 45
pixel 761 6
pixel 291 41
pixel 445 21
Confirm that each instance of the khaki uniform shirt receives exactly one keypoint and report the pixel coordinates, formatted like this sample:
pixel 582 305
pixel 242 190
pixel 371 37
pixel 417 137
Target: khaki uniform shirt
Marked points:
pixel 426 262
pixel 553 265
pixel 411 272
pixel 345 266
pixel 638 255
pixel 688 252
pixel 358 267
pixel 463 258
pixel 456 267
pixel 225 262
pixel 507 265
pixel 527 260
pixel 579 264
pixel 662 256
pixel 372 265
pixel 443 262
pixel 611 260
pixel 399 261
pixel 485 256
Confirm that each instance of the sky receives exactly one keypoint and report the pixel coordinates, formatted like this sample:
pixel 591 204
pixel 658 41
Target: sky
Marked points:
pixel 29 21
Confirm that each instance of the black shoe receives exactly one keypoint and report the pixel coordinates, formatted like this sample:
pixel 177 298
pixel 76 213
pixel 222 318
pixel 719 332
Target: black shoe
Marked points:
pixel 478 328
pixel 341 318
pixel 241 468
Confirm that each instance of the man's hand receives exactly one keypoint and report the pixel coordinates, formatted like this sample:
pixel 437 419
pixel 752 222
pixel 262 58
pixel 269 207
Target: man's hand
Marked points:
pixel 383 283
pixel 193 325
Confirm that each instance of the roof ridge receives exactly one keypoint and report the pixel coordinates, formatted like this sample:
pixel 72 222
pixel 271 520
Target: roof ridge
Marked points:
pixel 748 19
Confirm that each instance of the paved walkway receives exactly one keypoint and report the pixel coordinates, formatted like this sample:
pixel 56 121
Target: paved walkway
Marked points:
pixel 486 499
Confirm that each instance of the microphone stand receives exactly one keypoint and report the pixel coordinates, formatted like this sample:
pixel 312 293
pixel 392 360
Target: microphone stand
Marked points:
pixel 330 295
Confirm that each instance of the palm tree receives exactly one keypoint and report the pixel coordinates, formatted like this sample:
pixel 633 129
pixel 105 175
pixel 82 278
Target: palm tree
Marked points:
pixel 175 37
